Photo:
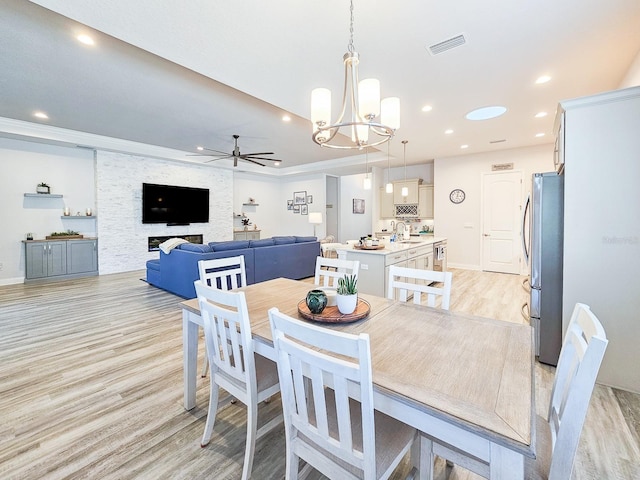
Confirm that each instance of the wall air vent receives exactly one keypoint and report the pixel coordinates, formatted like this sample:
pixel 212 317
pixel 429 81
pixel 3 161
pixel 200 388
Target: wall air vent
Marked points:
pixel 441 47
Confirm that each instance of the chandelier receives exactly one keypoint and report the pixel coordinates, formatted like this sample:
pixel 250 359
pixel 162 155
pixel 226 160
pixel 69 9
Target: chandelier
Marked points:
pixel 362 100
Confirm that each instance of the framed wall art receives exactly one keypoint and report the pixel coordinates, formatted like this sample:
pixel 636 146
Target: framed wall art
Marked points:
pixel 296 209
pixel 304 209
pixel 309 199
pixel 358 205
pixel 300 198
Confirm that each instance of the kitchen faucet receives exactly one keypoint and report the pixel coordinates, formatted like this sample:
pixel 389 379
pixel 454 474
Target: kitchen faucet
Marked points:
pixel 404 225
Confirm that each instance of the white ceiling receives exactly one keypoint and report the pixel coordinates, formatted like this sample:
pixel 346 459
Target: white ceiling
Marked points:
pixel 180 74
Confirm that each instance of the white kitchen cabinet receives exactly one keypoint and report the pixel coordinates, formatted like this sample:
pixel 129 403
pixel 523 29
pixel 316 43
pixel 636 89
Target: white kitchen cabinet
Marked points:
pixel 425 201
pixel 412 185
pixel 386 204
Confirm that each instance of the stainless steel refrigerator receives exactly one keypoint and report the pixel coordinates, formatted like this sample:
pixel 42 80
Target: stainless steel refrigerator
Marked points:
pixel 544 251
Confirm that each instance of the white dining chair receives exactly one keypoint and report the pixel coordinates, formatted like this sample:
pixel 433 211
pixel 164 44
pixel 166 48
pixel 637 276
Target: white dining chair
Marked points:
pixel 404 282
pixel 327 399
pixel 248 376
pixel 558 435
pixel 329 270
pixel 225 274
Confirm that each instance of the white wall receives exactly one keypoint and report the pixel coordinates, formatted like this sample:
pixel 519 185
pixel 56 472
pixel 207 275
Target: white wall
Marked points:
pixel 632 77
pixel 123 238
pixel 68 171
pixel 354 225
pixel 465 172
pixel 272 216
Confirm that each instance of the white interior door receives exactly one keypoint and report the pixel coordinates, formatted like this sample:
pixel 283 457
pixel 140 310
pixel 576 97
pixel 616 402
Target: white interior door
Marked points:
pixel 501 206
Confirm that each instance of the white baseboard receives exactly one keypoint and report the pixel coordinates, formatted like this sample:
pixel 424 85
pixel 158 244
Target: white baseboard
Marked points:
pixel 462 266
pixel 11 281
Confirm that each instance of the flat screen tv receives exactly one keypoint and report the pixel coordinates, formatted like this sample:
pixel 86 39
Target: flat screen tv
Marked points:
pixel 174 205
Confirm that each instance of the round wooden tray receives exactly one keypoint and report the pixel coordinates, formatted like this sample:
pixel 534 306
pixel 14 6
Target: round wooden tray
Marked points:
pixel 364 247
pixel 333 315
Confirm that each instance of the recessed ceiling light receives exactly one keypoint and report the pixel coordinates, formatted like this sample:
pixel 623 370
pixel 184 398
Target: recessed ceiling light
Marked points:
pixel 86 39
pixel 42 115
pixel 539 135
pixel 200 148
pixel 276 163
pixel 464 146
pixel 286 118
pixel 543 79
pixel 485 113
pixel 541 114
pixel 448 132
pixel 427 108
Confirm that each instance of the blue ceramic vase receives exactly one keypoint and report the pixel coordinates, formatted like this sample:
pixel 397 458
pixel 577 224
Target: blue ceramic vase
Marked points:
pixel 316 301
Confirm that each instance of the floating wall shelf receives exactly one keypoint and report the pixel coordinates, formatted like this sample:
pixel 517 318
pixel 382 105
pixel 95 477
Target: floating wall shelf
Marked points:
pixel 43 195
pixel 79 217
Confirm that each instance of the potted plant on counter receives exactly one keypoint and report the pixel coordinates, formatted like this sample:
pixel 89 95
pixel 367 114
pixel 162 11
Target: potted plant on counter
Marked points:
pixel 347 294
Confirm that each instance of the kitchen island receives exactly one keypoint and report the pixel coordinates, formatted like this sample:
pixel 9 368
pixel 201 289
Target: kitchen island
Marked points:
pixel 374 264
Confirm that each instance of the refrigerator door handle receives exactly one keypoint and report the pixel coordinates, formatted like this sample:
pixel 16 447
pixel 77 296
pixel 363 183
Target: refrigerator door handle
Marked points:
pixel 525 249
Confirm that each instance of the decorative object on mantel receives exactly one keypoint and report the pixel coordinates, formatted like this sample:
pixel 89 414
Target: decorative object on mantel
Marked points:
pixel 252 200
pixel 43 188
pixel 347 294
pixel 88 212
pixel 66 211
pixel 29 236
pixel 364 100
pixel 64 235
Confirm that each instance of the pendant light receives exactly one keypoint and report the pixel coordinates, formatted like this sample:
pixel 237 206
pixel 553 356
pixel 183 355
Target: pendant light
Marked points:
pixel 367 178
pixel 389 187
pixel 405 189
pixel 364 118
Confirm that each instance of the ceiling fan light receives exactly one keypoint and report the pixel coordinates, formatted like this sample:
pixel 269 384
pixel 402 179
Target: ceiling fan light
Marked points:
pixel 369 98
pixel 390 112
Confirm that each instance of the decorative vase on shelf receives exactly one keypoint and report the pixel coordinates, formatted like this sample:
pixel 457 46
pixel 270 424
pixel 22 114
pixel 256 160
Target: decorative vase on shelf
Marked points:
pixel 316 301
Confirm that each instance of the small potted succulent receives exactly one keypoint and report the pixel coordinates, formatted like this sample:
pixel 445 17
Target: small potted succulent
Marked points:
pixel 43 188
pixel 347 294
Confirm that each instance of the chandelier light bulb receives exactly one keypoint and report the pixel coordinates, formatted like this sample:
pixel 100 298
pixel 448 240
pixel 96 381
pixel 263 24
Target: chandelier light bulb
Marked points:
pixel 369 98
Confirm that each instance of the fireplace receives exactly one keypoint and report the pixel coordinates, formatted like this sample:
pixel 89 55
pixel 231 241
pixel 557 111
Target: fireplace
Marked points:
pixel 154 242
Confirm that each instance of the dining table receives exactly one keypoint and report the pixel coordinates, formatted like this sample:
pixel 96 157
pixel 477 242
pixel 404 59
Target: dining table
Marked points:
pixel 464 381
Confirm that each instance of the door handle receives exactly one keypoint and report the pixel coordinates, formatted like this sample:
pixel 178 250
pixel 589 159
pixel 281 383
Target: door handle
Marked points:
pixel 486 235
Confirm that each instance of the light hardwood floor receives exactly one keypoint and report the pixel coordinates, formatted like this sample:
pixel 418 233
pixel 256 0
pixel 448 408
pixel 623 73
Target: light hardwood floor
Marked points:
pixel 91 387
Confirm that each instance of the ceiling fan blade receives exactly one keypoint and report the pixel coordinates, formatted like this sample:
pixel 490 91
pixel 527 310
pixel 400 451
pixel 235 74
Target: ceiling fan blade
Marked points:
pixel 258 153
pixel 219 158
pixel 212 150
pixel 262 158
pixel 252 161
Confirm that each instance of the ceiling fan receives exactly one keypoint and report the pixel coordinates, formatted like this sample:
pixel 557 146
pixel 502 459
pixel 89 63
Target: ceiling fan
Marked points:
pixel 247 157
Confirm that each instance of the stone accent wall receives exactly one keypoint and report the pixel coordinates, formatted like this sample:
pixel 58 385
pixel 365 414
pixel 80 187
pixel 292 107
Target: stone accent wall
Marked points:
pixel 123 239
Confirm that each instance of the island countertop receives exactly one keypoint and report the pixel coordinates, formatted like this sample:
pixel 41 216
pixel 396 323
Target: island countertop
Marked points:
pixel 394 247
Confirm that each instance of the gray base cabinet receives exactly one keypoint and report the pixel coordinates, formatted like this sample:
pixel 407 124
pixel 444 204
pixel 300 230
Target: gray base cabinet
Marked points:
pixel 60 259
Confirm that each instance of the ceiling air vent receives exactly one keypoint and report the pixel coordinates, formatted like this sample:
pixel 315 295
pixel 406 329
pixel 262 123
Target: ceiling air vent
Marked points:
pixel 448 44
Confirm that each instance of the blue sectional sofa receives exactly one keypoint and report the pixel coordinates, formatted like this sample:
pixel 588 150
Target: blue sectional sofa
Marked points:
pixel 290 257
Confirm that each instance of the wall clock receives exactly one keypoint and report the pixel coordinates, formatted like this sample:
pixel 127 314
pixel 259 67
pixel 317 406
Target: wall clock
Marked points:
pixel 457 196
